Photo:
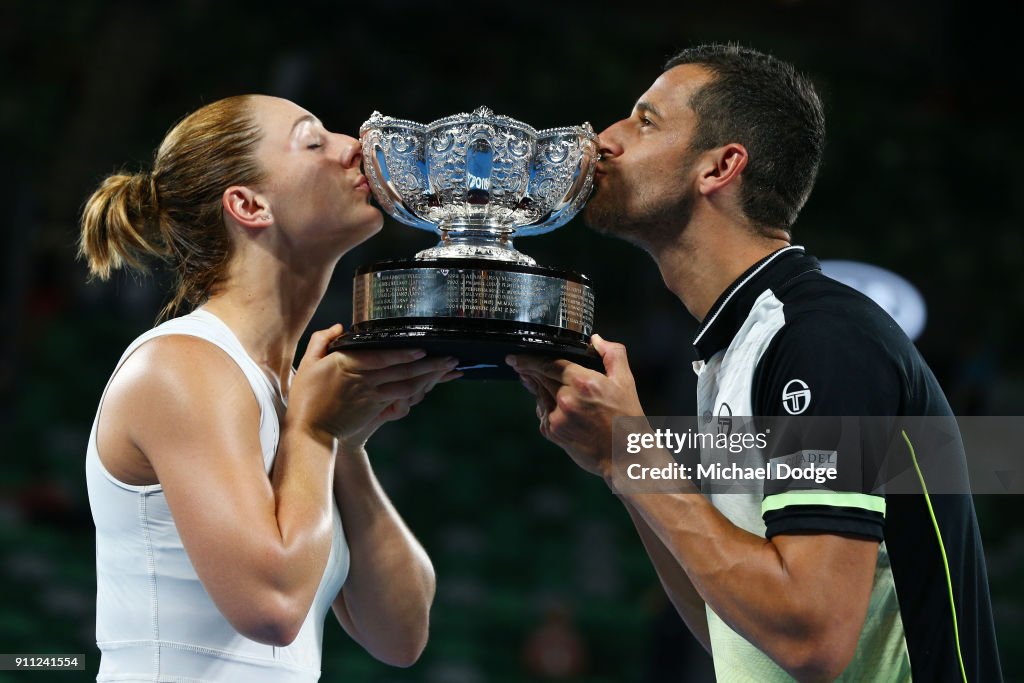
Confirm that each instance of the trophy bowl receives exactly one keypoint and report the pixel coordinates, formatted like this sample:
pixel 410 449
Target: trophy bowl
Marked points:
pixel 476 180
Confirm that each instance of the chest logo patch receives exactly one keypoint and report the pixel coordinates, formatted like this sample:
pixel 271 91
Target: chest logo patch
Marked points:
pixel 796 396
pixel 725 419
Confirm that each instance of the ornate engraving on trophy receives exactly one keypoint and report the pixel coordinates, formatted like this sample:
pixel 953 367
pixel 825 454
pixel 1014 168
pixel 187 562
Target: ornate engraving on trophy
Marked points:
pixel 476 180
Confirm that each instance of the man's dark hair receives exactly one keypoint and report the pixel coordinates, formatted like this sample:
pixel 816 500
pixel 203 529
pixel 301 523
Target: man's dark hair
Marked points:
pixel 762 103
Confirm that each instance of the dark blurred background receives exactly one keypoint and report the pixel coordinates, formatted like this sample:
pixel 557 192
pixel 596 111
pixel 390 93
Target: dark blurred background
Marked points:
pixel 541 576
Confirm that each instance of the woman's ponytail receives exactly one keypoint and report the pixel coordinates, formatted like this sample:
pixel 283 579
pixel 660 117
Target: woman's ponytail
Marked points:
pixel 174 213
pixel 121 225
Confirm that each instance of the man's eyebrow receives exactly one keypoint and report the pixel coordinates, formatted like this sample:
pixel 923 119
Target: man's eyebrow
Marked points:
pixel 643 106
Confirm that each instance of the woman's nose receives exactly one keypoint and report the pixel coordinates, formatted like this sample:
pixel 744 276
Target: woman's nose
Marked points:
pixel 351 151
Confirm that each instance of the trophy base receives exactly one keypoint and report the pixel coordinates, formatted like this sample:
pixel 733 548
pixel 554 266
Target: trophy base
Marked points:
pixel 481 352
pixel 477 310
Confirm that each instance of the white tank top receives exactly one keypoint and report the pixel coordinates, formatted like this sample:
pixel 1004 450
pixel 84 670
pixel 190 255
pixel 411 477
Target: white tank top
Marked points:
pixel 154 619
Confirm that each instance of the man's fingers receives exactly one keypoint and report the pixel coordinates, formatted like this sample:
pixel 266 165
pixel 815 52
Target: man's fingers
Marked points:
pixel 544 389
pixel 616 362
pixel 549 390
pixel 554 368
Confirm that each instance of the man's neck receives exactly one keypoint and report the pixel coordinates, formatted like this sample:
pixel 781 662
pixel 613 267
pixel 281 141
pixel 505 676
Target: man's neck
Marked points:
pixel 707 257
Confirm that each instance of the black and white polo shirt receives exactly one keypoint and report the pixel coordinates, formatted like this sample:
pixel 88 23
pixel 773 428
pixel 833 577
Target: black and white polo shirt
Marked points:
pixel 785 339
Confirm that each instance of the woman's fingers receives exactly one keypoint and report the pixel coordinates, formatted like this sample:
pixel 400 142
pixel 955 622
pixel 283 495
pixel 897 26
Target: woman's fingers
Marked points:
pixel 395 410
pixel 404 371
pixel 368 361
pixel 449 376
pixel 406 388
pixel 318 342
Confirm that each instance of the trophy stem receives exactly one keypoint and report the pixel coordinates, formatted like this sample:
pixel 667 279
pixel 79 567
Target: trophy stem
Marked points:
pixel 470 241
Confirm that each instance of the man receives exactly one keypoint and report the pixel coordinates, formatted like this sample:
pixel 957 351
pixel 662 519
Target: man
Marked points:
pixel 707 175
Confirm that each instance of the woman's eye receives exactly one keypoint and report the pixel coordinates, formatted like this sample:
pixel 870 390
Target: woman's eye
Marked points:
pixel 314 145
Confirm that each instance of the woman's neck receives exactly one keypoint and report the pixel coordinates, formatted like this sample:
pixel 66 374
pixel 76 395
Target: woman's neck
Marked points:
pixel 268 303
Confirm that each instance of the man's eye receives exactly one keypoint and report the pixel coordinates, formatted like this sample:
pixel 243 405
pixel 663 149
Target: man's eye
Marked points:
pixel 314 145
pixel 644 121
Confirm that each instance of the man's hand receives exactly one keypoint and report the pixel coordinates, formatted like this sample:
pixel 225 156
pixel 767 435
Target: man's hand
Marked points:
pixel 576 406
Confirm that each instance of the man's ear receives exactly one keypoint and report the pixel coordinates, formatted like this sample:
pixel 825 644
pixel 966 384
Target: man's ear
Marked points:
pixel 246 207
pixel 722 166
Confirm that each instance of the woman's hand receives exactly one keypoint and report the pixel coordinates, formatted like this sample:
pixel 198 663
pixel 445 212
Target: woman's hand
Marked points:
pixel 349 394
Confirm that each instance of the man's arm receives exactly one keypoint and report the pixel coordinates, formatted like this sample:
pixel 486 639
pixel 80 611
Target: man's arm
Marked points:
pixel 800 599
pixel 772 592
pixel 674 580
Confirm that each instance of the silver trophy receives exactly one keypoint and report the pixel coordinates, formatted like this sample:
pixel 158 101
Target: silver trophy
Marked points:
pixel 477 180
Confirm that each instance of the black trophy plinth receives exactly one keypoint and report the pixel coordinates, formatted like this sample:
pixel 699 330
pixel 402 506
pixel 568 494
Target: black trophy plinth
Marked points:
pixel 477 310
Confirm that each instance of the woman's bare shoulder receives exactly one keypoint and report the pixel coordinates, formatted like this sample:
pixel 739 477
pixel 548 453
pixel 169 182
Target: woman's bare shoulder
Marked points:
pixel 180 377
pixel 178 361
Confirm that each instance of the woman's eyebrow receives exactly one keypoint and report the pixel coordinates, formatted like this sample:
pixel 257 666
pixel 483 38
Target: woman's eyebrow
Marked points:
pixel 304 117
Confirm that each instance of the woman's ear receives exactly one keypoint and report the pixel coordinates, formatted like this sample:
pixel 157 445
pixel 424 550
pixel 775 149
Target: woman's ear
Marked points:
pixel 246 207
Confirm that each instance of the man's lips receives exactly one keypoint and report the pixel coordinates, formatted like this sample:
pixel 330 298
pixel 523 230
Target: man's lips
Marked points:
pixel 362 184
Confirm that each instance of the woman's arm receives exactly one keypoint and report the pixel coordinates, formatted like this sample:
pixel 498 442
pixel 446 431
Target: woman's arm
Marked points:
pixel 259 544
pixel 385 602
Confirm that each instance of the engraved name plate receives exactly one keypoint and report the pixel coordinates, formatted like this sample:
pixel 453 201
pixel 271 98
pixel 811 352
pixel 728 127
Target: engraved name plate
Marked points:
pixel 473 293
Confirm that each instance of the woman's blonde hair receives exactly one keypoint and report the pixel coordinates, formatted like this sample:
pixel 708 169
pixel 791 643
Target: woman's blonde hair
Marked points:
pixel 174 212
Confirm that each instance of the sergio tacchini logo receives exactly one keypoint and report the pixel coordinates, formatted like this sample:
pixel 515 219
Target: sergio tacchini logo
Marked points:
pixel 796 396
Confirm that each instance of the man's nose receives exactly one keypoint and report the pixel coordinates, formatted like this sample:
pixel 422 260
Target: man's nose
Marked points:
pixel 608 143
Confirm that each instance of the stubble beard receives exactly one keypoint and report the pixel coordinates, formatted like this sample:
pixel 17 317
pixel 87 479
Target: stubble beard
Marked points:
pixel 638 218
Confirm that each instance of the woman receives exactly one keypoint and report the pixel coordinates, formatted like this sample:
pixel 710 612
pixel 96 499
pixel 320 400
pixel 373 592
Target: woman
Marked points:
pixel 232 496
